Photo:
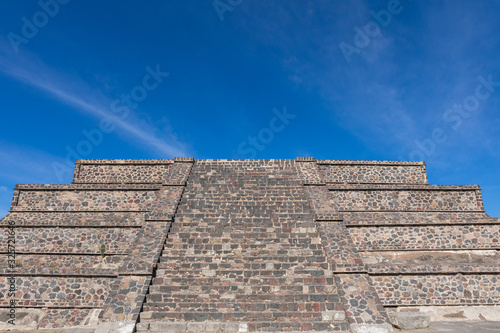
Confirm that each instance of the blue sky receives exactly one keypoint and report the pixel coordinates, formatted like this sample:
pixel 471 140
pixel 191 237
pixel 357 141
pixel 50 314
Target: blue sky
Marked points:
pixel 361 80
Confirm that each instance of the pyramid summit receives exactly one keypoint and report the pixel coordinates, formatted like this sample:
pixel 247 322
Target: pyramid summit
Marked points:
pixel 220 245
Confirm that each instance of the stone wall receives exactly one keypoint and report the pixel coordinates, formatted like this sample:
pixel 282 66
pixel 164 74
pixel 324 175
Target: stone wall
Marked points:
pixel 127 172
pixel 459 289
pixel 85 198
pixel 166 172
pixel 367 172
pixel 245 245
pixel 85 252
pixel 45 291
pixel 400 242
pixel 426 237
pixel 406 198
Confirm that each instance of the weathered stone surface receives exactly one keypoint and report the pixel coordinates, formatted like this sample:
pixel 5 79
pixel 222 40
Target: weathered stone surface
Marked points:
pixel 460 261
pixel 56 291
pixel 116 327
pixel 352 219
pixel 63 264
pixel 458 313
pixel 259 262
pixel 86 198
pixel 300 245
pixel 409 320
pixel 426 237
pixel 377 173
pixel 371 328
pixel 426 198
pixel 72 240
pixel 121 173
pixel 24 320
pixel 341 251
pixel 446 289
pixel 73 219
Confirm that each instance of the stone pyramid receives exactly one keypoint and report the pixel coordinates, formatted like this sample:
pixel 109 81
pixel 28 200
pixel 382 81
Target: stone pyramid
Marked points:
pixel 218 245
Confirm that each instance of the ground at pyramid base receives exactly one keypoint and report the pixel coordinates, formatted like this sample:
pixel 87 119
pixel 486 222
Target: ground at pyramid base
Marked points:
pixel 292 245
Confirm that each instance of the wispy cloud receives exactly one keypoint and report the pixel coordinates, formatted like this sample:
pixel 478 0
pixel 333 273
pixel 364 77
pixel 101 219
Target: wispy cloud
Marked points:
pixel 80 96
pixel 24 165
pixel 396 90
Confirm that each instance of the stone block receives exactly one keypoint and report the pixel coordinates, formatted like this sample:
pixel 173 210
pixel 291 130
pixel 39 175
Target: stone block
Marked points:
pixel 409 320
pixel 24 319
pixel 371 328
pixel 196 327
pixel 116 327
pixel 333 315
pixel 167 327
pixel 212 326
pixel 184 159
pixel 305 159
pixel 231 327
pixel 142 327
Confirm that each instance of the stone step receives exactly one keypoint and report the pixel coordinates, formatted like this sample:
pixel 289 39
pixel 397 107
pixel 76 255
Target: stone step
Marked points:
pixel 256 232
pixel 243 242
pixel 235 327
pixel 242 183
pixel 193 232
pixel 161 313
pixel 302 217
pixel 234 273
pixel 242 239
pixel 257 244
pixel 243 198
pixel 228 306
pixel 242 195
pixel 239 264
pixel 212 192
pixel 229 209
pixel 210 217
pixel 242 280
pixel 224 232
pixel 221 272
pixel 219 250
pixel 283 227
pixel 241 291
pixel 242 287
pixel 261 260
pixel 252 226
pixel 243 249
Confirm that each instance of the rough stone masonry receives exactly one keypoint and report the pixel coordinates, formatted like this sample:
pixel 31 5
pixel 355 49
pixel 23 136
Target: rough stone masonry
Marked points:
pixel 187 245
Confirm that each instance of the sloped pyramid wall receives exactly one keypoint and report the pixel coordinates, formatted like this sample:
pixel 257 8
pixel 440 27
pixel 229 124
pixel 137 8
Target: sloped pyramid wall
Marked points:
pixel 85 253
pixel 246 245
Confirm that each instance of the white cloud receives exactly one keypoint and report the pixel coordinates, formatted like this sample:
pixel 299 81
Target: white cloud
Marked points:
pixel 26 165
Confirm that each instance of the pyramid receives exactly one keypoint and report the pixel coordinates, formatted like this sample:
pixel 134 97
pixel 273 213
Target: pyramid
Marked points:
pixel 220 245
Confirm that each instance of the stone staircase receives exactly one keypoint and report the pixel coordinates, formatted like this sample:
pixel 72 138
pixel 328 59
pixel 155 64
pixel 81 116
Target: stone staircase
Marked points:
pixel 246 246
pixel 243 254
